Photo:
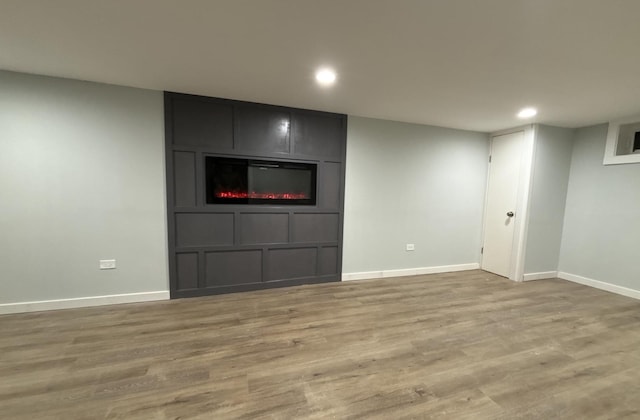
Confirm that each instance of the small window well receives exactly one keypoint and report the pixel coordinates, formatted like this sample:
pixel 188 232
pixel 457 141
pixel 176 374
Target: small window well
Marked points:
pixel 623 141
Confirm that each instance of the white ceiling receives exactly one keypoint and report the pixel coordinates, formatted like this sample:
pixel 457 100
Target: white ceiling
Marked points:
pixel 467 64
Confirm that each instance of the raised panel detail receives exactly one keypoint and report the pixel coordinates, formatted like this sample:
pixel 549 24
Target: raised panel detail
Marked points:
pixel 331 185
pixel 194 229
pixel 226 268
pixel 291 263
pixel 317 135
pixel 315 227
pixel 328 260
pixel 202 123
pixel 187 271
pixel 184 176
pixel 221 242
pixel 261 129
pixel 264 228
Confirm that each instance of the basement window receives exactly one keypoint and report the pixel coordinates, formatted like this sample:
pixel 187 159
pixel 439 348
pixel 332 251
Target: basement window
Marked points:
pixel 623 142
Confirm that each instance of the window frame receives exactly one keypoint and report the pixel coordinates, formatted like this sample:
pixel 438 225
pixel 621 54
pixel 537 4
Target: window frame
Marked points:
pixel 610 153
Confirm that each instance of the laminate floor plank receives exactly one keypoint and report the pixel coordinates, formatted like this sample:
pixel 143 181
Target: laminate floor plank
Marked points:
pixel 466 345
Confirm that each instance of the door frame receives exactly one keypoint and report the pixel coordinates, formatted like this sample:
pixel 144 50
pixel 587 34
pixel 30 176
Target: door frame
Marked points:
pixel 516 266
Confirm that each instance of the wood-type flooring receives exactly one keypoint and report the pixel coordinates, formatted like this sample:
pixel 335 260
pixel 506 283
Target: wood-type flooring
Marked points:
pixel 467 345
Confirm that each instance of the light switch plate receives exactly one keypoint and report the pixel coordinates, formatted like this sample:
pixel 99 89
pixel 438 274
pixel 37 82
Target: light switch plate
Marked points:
pixel 411 247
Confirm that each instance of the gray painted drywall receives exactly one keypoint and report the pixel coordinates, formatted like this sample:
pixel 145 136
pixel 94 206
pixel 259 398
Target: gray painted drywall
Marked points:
pixel 550 177
pixel 601 235
pixel 81 179
pixel 408 183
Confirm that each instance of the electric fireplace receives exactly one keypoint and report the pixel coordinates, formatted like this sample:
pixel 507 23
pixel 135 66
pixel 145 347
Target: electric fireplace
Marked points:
pixel 248 181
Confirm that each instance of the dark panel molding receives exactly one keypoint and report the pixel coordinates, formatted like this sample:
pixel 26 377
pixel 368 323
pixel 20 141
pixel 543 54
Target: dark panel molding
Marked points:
pixel 224 248
pixel 252 286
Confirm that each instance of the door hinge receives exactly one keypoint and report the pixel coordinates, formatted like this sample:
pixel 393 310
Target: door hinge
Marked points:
pixel 489 158
pixel 482 250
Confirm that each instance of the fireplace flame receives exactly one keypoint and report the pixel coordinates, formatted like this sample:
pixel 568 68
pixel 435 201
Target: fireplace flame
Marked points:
pixel 261 195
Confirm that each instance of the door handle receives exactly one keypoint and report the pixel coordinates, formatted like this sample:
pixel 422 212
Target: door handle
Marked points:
pixel 510 214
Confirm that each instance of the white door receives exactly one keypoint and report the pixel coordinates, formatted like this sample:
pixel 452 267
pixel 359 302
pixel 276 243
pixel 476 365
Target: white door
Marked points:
pixel 502 197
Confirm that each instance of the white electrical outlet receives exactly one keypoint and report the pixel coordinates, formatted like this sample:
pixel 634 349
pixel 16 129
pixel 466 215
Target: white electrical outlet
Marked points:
pixel 107 264
pixel 411 247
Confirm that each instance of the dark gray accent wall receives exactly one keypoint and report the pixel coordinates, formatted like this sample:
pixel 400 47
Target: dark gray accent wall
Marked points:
pixel 221 248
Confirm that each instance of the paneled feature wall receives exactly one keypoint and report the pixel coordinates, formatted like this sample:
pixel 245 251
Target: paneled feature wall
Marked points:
pixel 221 248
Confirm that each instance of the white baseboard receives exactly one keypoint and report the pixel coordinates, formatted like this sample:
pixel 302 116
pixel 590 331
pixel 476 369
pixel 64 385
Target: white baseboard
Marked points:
pixel 620 290
pixel 366 275
pixel 540 276
pixel 47 305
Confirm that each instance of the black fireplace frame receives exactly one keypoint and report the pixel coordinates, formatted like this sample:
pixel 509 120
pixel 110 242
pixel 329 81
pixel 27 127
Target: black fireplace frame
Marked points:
pixel 210 180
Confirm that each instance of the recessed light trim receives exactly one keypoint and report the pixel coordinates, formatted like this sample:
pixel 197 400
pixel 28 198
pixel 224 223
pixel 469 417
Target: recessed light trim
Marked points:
pixel 326 76
pixel 527 112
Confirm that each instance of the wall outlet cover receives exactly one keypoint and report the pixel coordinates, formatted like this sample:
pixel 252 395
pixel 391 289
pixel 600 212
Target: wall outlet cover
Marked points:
pixel 107 264
pixel 411 247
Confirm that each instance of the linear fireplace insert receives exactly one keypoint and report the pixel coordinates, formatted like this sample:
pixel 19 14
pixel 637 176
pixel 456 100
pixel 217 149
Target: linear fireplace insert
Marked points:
pixel 249 181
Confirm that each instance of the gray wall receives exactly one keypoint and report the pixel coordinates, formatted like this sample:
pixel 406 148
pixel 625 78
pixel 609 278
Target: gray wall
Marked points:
pixel 81 179
pixel 408 183
pixel 550 178
pixel 601 236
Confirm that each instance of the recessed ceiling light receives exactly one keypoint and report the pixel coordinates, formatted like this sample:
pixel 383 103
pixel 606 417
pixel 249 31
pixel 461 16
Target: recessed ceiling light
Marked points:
pixel 325 76
pixel 527 113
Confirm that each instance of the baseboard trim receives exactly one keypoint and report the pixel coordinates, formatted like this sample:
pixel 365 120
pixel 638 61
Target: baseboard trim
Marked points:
pixel 367 275
pixel 48 305
pixel 540 276
pixel 620 290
